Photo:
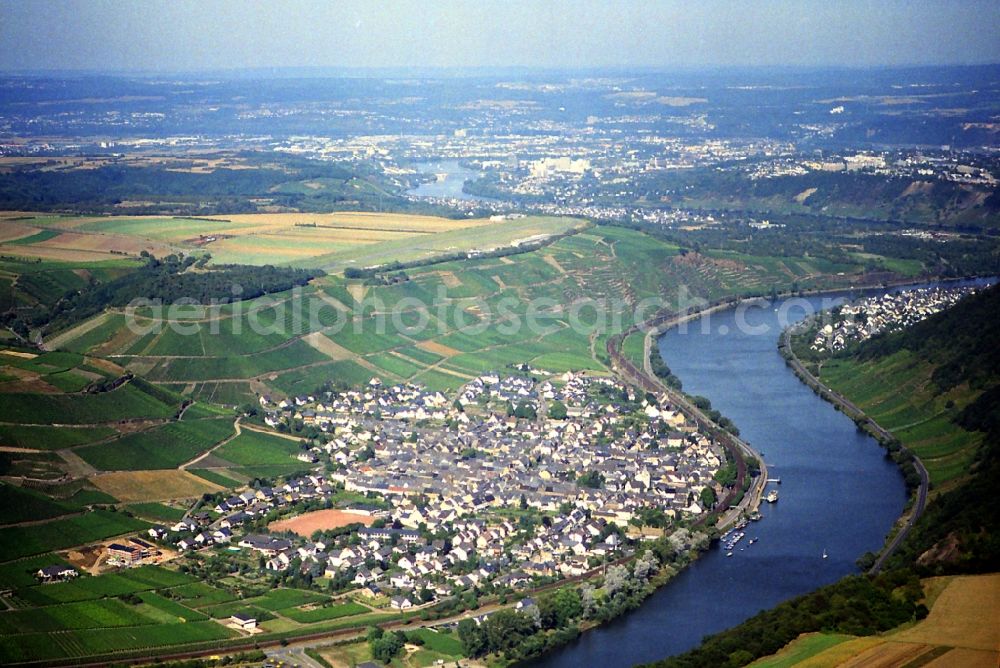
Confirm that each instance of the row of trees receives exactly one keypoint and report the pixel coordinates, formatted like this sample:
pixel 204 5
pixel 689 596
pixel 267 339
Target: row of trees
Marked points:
pixel 166 281
pixel 555 618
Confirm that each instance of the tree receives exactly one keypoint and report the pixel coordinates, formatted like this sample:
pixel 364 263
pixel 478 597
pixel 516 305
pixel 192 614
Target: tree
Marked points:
pixel 708 498
pixel 506 628
pixel 386 647
pixel 472 637
pixel 645 566
pixel 616 580
pixel 587 601
pixel 525 411
pixel 557 410
pixel 592 479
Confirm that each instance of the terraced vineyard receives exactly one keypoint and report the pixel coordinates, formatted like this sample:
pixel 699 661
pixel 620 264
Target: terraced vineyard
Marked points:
pixel 130 448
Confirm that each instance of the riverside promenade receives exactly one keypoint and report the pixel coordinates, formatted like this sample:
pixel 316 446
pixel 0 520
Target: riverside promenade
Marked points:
pixel 647 380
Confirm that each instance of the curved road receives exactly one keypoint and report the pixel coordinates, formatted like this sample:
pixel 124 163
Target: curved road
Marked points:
pixel 645 379
pixel 853 411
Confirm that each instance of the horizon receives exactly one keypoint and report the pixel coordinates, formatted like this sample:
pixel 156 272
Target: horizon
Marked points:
pixel 187 37
pixel 458 72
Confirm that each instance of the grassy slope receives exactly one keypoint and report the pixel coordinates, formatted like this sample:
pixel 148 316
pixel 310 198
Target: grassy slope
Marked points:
pixel 918 383
pixel 604 263
pixel 962 629
pixel 898 393
pixel 905 382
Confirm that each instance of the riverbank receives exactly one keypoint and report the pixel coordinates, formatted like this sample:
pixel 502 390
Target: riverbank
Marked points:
pixel 865 422
pixel 752 498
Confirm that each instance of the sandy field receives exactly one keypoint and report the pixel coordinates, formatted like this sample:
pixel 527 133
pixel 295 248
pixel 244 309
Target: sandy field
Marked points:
pixel 305 525
pixel 137 486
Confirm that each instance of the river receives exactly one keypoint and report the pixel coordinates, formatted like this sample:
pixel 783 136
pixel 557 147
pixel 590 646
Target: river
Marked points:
pixel 453 178
pixel 838 493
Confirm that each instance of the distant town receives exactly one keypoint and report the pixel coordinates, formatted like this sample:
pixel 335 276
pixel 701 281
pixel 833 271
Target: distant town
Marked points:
pixel 862 319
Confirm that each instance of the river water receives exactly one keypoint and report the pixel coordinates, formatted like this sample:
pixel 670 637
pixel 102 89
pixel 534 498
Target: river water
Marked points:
pixel 450 185
pixel 838 492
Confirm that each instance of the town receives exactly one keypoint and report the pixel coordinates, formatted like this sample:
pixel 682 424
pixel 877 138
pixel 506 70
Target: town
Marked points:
pixel 862 319
pixel 512 483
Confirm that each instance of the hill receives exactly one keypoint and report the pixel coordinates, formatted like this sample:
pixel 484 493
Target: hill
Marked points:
pixel 952 354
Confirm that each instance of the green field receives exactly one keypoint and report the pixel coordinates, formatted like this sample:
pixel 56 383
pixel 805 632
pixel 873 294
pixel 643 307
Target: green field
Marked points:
pixel 51 438
pixel 199 594
pixel 214 476
pixel 162 447
pixel 156 512
pixel 322 614
pixel 22 505
pixel 279 599
pixel 126 402
pixel 21 541
pixel 897 392
pixel 144 578
pixel 253 448
pixel 77 644
pixel 21 573
pixel 442 642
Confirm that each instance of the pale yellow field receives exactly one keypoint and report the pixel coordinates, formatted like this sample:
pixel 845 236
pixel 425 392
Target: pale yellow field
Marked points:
pixel 57 254
pixel 438 348
pixel 243 238
pixel 964 616
pixel 375 221
pixel 331 241
pixel 136 486
pixel 328 347
pixel 12 230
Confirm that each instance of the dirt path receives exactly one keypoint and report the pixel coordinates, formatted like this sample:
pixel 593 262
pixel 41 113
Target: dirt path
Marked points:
pixel 236 427
pixel 60 340
pixel 332 301
pixel 554 263
pixel 75 465
pixel 259 430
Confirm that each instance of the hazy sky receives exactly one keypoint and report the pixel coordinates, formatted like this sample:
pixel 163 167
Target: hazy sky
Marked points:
pixel 205 34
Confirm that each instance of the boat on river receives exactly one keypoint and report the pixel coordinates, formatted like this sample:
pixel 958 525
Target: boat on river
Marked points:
pixel 772 496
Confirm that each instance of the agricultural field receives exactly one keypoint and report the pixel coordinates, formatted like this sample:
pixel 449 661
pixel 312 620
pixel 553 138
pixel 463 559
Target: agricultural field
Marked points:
pixel 23 505
pixel 252 448
pixel 142 486
pixel 551 308
pixel 20 573
pixel 130 401
pixel 51 438
pixel 897 392
pixel 962 629
pixel 263 238
pixel 57 534
pixel 324 613
pixel 48 373
pixel 161 447
pixel 156 512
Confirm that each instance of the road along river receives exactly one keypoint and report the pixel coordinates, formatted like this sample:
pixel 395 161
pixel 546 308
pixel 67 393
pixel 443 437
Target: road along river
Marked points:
pixel 838 491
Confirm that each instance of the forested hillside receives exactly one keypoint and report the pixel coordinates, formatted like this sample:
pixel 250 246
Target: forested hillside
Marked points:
pixel 958 531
